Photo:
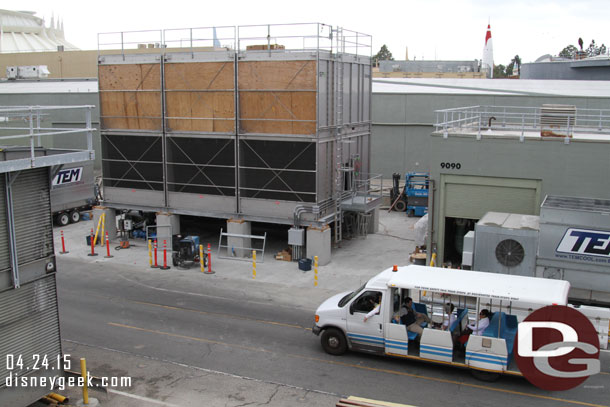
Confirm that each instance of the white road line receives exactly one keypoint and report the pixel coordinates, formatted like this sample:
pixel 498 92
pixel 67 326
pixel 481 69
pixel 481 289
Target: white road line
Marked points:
pixel 147 399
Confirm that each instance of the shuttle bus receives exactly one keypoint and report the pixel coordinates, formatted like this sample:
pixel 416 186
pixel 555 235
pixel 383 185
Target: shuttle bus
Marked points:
pixel 368 319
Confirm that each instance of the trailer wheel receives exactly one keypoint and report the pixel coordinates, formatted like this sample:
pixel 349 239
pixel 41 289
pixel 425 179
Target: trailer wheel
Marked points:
pixel 400 206
pixel 333 341
pixel 74 216
pixel 62 219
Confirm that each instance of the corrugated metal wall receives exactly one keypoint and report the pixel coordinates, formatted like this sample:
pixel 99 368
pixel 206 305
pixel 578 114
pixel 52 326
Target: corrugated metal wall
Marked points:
pixel 32 206
pixel 29 324
pixel 5 259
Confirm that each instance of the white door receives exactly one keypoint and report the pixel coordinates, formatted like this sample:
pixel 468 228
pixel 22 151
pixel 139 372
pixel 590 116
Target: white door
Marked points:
pixel 396 339
pixel 369 333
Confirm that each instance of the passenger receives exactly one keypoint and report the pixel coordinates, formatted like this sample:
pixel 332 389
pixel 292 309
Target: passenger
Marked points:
pixel 476 328
pixel 411 318
pixel 449 317
pixel 375 303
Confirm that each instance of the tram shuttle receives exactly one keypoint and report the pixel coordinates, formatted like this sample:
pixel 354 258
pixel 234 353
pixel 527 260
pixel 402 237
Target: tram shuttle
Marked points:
pixel 340 320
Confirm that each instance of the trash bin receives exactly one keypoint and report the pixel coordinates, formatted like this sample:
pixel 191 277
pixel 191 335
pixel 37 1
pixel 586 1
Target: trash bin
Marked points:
pixel 305 264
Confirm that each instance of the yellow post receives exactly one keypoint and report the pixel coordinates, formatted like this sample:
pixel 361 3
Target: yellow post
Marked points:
pixel 97 230
pixel 83 373
pixel 315 271
pixel 150 252
pixel 253 264
pixel 103 242
pixel 433 260
pixel 201 261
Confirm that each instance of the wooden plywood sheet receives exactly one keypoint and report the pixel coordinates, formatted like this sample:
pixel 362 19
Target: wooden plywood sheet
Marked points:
pixel 198 108
pixel 130 77
pixel 131 110
pixel 130 96
pixel 279 112
pixel 277 75
pixel 199 75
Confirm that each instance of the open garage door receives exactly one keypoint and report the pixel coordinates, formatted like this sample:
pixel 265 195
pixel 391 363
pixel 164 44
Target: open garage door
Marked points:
pixel 470 197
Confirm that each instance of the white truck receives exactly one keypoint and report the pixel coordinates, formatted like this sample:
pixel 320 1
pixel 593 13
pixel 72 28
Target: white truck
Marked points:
pixel 72 190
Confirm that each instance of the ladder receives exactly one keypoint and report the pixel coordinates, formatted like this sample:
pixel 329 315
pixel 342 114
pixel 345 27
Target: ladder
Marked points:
pixel 338 91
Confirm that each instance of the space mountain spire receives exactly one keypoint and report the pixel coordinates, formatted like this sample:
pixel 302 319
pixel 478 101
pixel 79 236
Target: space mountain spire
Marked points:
pixel 488 54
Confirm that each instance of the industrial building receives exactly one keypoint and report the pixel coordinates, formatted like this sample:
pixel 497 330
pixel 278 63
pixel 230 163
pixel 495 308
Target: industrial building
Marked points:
pixel 28 294
pixel 584 69
pixel 508 159
pixel 269 132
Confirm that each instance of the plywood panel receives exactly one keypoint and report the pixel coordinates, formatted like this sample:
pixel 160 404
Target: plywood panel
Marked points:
pixel 130 96
pixel 199 75
pixel 200 111
pixel 197 108
pixel 278 111
pixel 276 75
pixel 131 110
pixel 130 77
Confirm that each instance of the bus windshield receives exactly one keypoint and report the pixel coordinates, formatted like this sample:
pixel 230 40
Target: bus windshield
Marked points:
pixel 349 296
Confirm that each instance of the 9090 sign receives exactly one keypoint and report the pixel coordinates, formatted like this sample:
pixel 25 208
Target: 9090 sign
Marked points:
pixel 451 166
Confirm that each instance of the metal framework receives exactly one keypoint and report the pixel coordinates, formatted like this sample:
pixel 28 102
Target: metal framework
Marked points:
pixel 269 151
pixel 567 121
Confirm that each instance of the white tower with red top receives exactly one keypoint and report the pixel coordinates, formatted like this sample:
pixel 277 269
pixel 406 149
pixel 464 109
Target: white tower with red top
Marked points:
pixel 488 54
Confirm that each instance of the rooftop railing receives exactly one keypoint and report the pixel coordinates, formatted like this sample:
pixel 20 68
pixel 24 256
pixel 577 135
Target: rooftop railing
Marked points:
pixel 560 120
pixel 29 123
pixel 268 37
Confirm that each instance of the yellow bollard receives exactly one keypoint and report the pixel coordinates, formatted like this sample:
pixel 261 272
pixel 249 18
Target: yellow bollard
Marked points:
pixel 201 262
pixel 83 373
pixel 315 271
pixel 253 264
pixel 103 229
pixel 150 252
pixel 97 230
pixel 433 260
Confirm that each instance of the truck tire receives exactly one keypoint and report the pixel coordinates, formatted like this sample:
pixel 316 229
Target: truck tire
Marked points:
pixel 400 206
pixel 74 216
pixel 62 219
pixel 333 341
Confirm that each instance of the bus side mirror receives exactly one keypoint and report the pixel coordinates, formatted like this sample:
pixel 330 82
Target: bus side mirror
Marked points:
pixel 351 308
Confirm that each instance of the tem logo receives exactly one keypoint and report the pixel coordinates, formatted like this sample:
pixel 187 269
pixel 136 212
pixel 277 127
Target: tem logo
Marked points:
pixel 585 241
pixel 68 176
pixel 557 348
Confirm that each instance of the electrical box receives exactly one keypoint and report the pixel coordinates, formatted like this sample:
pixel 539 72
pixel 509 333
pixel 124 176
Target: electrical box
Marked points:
pixel 296 237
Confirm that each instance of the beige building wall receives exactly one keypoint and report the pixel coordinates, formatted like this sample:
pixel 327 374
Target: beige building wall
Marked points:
pixel 74 64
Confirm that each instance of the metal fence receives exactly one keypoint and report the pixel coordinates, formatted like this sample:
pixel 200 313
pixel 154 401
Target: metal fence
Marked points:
pixel 28 122
pixel 478 119
pixel 266 37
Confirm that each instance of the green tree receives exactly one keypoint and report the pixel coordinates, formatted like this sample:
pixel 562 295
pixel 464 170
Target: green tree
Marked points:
pixel 384 54
pixel 569 52
pixel 499 71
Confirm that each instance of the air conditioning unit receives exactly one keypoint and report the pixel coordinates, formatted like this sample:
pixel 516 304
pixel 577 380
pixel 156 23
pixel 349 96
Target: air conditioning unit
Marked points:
pixel 557 120
pixel 506 243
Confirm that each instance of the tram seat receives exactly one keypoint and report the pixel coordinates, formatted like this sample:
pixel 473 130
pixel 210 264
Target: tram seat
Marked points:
pixel 508 330
pixel 455 326
pixel 422 309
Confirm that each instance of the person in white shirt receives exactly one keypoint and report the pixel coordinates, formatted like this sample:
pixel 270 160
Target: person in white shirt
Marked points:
pixel 376 303
pixel 478 327
pixel 449 317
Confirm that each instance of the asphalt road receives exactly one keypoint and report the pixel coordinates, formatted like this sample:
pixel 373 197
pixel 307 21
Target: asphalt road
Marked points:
pixel 224 326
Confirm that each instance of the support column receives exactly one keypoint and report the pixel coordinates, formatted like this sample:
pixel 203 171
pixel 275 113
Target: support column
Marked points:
pixel 374 221
pixel 239 246
pixel 109 224
pixel 318 244
pixel 168 224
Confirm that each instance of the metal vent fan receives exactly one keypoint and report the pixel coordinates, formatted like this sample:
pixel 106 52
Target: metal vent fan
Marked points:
pixel 510 253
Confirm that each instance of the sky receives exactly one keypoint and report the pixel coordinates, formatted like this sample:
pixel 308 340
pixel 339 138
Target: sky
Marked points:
pixel 430 29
